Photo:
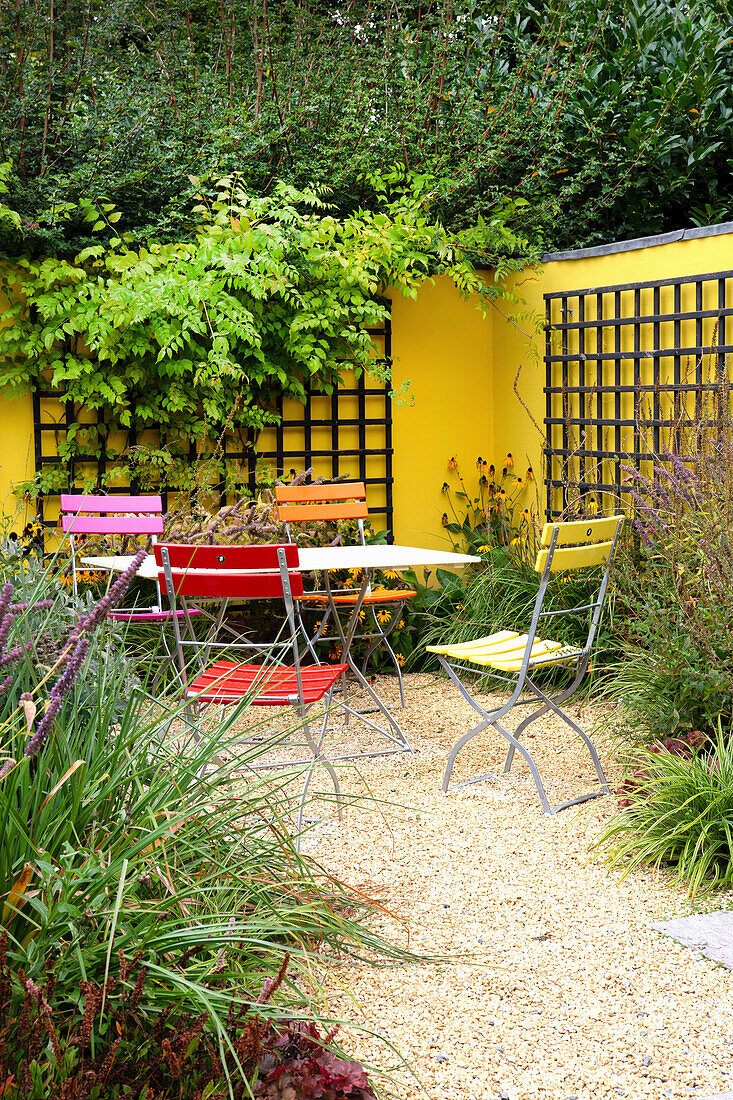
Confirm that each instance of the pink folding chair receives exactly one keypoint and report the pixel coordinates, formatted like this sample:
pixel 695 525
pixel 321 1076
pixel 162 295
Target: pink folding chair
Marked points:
pixel 225 573
pixel 118 515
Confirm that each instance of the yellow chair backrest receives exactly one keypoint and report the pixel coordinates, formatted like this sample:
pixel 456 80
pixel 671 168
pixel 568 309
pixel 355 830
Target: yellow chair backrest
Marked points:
pixel 580 543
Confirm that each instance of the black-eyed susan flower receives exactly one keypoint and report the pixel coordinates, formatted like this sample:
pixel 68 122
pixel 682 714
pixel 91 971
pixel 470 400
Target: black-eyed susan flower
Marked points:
pixel 529 476
pixel 446 487
pixel 492 470
pixel 383 617
pixel 509 460
pixel 479 462
pixel 444 519
pixel 453 463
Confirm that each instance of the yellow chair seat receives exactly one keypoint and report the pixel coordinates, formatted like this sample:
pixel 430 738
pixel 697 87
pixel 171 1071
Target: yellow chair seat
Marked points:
pixel 505 651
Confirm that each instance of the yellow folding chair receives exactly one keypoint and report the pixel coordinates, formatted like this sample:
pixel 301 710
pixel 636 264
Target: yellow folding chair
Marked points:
pixel 511 657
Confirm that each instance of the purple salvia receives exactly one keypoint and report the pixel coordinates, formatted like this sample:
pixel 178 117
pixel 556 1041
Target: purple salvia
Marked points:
pixel 6 768
pixel 116 592
pixel 38 739
pixel 75 652
pixel 13 654
pixel 6 617
pixel 73 667
pixel 42 605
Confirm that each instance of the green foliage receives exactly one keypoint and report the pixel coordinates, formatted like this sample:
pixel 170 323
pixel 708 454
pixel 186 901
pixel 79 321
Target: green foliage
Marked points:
pixel 124 839
pixel 603 121
pixel 681 816
pixel 268 296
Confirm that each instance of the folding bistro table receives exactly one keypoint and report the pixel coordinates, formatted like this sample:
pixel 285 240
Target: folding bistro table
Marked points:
pixel 332 559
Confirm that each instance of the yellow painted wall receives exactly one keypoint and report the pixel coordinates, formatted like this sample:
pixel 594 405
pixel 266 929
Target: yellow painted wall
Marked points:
pixel 443 348
pixel 16 447
pixel 459 369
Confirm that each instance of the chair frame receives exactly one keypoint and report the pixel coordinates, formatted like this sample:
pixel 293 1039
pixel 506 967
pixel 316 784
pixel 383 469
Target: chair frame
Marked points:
pixel 84 514
pixel 221 573
pixel 346 501
pixel 555 543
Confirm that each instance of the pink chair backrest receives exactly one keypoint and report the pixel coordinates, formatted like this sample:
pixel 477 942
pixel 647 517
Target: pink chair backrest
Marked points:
pixel 218 572
pixel 89 515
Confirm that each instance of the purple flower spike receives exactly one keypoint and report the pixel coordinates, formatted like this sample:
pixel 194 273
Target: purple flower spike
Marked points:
pixel 74 653
pixel 7 768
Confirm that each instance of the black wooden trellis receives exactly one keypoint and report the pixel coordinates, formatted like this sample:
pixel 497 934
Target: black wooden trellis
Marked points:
pixel 628 367
pixel 370 460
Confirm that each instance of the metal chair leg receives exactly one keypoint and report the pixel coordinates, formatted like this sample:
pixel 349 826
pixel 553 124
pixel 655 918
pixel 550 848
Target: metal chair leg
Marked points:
pixel 493 718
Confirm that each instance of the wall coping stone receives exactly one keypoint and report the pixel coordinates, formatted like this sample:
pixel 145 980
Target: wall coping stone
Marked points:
pixel 640 242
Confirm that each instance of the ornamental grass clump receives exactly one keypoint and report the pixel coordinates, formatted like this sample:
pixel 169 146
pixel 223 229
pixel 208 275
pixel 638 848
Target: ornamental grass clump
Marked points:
pixel 147 879
pixel 679 814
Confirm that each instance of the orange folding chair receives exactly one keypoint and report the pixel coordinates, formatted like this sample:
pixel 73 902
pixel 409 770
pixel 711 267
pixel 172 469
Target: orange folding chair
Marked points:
pixel 342 501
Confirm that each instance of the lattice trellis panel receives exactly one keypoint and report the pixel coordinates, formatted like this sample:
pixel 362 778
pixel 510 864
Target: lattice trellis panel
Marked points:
pixel 628 369
pixel 344 434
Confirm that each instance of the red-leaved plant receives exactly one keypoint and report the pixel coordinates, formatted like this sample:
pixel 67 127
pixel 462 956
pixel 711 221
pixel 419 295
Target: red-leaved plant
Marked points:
pixel 116 1042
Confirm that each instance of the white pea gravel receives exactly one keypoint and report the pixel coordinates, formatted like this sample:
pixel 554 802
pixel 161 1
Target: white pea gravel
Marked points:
pixel 556 987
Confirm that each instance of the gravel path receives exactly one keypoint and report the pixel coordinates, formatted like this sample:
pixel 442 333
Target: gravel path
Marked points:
pixel 556 987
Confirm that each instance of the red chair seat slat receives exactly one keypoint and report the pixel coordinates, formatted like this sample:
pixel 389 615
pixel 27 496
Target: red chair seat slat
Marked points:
pixel 225 681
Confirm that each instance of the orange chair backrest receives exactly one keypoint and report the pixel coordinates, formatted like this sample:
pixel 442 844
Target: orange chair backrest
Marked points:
pixel 316 503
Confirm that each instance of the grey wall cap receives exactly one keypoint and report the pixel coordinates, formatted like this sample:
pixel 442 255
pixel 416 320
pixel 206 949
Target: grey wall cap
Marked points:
pixel 641 242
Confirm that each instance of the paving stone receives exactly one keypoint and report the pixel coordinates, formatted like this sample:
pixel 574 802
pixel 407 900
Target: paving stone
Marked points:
pixel 709 933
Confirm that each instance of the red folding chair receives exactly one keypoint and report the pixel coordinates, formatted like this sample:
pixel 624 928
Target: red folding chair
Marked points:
pixel 343 501
pixel 134 516
pixel 225 573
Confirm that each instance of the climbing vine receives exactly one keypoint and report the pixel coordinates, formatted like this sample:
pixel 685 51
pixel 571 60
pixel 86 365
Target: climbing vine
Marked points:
pixel 267 296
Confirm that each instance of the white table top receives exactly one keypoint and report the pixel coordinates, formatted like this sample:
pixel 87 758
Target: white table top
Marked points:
pixel 318 559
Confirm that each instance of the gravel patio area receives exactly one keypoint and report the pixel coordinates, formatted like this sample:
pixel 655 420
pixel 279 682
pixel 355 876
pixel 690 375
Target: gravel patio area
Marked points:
pixel 556 986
